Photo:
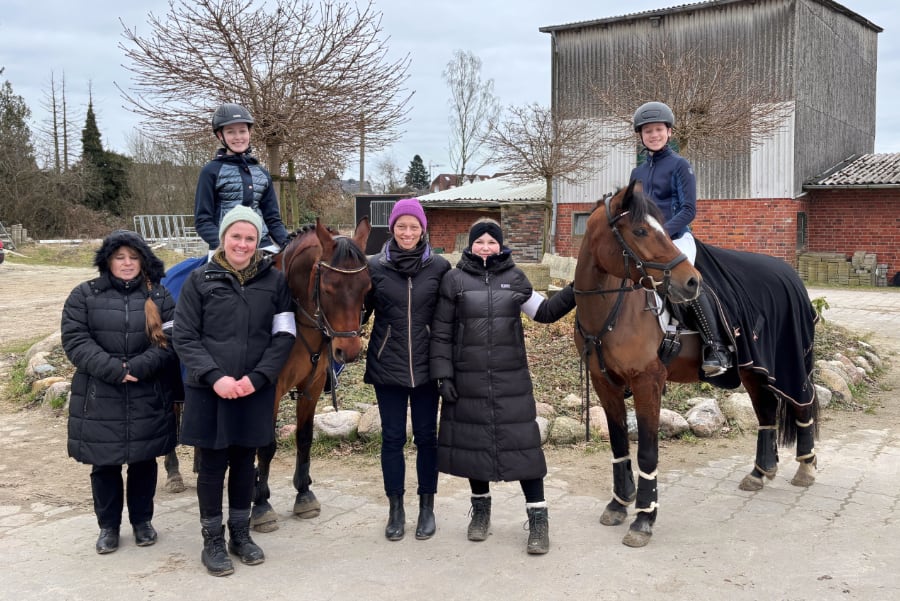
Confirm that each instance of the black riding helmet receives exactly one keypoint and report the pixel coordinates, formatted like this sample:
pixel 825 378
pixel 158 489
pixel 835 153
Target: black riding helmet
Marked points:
pixel 229 113
pixel 653 112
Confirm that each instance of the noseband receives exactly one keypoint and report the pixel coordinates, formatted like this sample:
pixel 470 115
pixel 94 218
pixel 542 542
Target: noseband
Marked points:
pixel 320 318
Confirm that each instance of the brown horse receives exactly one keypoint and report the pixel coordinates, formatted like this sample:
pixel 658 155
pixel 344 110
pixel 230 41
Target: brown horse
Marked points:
pixel 626 255
pixel 328 277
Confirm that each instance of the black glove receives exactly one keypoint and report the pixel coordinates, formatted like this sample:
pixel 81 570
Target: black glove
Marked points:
pixel 447 390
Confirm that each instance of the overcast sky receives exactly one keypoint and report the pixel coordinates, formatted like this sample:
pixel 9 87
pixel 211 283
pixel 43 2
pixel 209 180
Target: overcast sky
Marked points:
pixel 81 39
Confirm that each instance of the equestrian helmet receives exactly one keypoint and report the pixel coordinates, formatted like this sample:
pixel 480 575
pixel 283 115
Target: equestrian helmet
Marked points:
pixel 653 112
pixel 229 113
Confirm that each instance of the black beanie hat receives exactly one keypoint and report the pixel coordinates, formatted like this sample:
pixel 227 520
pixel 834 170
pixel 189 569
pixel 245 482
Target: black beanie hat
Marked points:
pixel 485 226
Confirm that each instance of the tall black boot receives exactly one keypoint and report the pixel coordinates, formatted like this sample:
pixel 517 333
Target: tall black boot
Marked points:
pixel 396 526
pixel 214 556
pixel 425 527
pixel 716 356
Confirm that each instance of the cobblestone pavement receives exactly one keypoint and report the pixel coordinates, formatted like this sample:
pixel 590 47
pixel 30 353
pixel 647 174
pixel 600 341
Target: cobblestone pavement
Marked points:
pixel 839 539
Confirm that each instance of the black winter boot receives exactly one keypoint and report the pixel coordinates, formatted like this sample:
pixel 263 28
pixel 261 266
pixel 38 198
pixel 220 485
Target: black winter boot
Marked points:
pixel 481 519
pixel 240 544
pixel 396 525
pixel 425 527
pixel 716 356
pixel 214 556
pixel 538 530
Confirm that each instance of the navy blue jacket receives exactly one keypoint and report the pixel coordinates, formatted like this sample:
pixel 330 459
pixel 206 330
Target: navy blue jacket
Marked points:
pixel 668 179
pixel 227 181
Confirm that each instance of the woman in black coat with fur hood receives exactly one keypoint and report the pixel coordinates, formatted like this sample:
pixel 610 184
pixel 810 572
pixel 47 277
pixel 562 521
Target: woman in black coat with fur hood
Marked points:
pixel 120 410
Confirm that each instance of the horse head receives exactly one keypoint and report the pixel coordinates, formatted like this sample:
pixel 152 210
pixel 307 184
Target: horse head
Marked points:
pixel 341 282
pixel 625 238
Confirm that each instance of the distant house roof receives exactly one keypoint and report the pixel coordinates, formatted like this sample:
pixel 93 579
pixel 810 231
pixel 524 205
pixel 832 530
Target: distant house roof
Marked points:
pixel 445 181
pixel 881 170
pixel 681 8
pixel 491 192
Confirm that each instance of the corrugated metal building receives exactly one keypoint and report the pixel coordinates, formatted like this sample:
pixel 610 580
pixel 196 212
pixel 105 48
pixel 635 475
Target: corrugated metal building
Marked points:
pixel 819 56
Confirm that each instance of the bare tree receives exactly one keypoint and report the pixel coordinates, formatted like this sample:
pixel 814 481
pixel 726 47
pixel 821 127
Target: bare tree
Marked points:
pixel 309 74
pixel 388 177
pixel 473 107
pixel 55 131
pixel 532 142
pixel 717 113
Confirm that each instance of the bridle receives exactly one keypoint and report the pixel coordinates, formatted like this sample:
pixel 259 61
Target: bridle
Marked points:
pixel 594 342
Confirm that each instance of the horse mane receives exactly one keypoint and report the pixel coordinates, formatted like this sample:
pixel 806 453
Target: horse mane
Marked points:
pixel 346 250
pixel 640 207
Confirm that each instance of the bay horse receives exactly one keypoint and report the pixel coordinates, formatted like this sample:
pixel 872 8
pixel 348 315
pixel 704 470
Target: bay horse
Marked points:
pixel 328 277
pixel 626 259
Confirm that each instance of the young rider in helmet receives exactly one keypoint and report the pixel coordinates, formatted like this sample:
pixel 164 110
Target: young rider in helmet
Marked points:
pixel 668 179
pixel 235 177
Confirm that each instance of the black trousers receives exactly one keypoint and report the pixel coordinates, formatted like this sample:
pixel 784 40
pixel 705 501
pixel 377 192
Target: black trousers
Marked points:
pixel 532 489
pixel 211 479
pixel 110 494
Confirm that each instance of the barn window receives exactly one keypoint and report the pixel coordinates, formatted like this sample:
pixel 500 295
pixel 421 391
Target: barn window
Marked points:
pixel 801 230
pixel 579 223
pixel 380 212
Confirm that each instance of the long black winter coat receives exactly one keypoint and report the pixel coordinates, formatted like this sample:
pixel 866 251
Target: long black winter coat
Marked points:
pixel 490 433
pixel 225 329
pixel 404 305
pixel 112 422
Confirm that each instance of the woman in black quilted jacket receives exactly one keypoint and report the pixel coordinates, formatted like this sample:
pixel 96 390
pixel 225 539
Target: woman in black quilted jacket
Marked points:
pixel 120 410
pixel 488 431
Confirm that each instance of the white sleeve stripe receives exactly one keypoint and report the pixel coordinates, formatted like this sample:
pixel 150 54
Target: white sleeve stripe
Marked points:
pixel 168 325
pixel 530 306
pixel 284 322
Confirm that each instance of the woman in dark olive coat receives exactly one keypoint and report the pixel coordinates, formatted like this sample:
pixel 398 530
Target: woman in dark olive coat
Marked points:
pixel 488 431
pixel 120 410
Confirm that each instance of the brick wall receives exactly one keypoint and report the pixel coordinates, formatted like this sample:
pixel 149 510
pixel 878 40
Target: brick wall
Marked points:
pixel 851 220
pixel 568 244
pixel 445 224
pixel 523 229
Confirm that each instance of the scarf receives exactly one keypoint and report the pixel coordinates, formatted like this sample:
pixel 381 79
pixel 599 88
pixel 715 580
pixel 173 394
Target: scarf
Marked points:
pixel 407 262
pixel 242 275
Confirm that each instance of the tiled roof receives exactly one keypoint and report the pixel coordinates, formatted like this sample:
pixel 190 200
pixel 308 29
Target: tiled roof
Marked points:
pixel 496 190
pixel 864 171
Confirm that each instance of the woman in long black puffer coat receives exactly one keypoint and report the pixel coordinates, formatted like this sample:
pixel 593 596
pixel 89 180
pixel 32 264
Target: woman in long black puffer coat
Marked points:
pixel 120 410
pixel 488 431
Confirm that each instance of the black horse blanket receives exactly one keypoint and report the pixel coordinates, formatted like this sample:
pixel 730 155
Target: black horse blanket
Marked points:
pixel 769 316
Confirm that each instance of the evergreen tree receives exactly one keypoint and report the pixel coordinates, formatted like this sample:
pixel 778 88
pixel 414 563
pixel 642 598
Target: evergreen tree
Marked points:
pixel 417 176
pixel 109 169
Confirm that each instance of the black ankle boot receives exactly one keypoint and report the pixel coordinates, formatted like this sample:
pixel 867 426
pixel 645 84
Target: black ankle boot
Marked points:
pixel 240 544
pixel 538 530
pixel 481 519
pixel 108 541
pixel 144 534
pixel 214 556
pixel 396 526
pixel 425 527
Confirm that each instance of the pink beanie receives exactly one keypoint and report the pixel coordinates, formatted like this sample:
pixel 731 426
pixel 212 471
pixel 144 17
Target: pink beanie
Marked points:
pixel 408 206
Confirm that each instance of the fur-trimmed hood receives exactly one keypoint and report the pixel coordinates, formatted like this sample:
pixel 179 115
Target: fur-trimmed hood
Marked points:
pixel 152 267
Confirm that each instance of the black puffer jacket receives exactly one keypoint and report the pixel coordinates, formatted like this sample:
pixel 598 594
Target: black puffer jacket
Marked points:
pixel 103 333
pixel 223 328
pixel 490 433
pixel 404 305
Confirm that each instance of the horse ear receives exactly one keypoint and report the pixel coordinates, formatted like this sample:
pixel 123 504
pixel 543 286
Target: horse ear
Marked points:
pixel 633 185
pixel 326 239
pixel 361 234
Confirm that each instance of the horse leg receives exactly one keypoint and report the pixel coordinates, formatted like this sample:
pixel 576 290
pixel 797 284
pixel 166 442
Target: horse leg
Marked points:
pixel 807 428
pixel 647 401
pixel 765 404
pixel 616 510
pixel 262 516
pixel 306 505
pixel 174 481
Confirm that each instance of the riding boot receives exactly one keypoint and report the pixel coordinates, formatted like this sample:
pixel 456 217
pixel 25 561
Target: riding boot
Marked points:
pixel 214 556
pixel 481 518
pixel 425 527
pixel 396 526
pixel 538 530
pixel 716 356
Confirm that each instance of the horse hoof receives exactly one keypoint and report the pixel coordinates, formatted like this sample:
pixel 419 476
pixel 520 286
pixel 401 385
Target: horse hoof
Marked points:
pixel 805 476
pixel 263 518
pixel 174 483
pixel 613 518
pixel 751 483
pixel 636 539
pixel 307 506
